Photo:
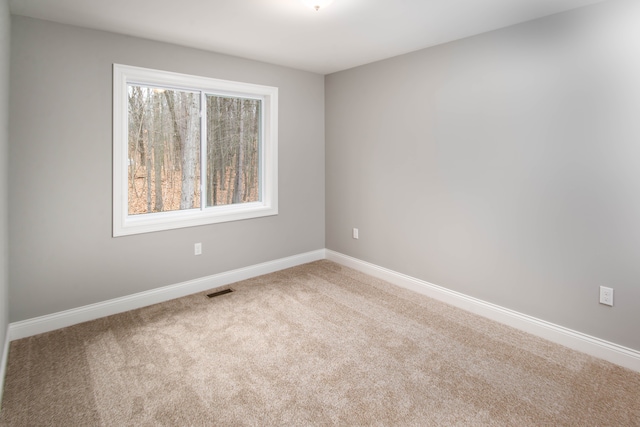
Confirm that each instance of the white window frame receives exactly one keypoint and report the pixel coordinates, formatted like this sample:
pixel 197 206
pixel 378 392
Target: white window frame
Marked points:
pixel 125 224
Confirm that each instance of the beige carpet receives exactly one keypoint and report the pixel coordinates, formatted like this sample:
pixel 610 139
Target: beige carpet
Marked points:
pixel 318 344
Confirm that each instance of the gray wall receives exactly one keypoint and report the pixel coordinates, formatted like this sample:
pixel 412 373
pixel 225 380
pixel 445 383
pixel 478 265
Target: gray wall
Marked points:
pixel 504 166
pixel 5 25
pixel 61 253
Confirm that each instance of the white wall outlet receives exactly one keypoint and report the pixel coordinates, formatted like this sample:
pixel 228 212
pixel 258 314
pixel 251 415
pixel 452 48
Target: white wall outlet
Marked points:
pixel 606 296
pixel 355 233
pixel 197 249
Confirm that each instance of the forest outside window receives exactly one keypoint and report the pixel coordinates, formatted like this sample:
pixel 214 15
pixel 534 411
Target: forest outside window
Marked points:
pixel 191 150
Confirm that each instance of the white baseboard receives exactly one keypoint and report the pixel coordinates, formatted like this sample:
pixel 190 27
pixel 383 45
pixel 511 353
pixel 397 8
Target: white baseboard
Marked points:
pixel 596 347
pixel 38 325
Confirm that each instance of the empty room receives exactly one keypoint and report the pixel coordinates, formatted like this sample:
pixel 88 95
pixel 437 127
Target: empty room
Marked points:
pixel 320 212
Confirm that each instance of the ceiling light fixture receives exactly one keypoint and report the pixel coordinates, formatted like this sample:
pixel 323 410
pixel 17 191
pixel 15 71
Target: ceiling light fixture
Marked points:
pixel 317 4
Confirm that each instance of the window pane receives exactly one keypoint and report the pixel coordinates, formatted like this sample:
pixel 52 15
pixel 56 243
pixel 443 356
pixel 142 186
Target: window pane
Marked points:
pixel 233 150
pixel 163 150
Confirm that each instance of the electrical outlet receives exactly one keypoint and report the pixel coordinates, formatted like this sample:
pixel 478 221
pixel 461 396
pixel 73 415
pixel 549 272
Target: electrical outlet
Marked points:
pixel 355 233
pixel 606 296
pixel 197 249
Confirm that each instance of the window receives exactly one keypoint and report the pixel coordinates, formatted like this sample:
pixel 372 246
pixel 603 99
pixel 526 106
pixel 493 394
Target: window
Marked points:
pixel 191 150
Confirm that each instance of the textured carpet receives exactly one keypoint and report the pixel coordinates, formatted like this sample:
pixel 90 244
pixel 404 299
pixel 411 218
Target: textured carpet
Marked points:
pixel 318 344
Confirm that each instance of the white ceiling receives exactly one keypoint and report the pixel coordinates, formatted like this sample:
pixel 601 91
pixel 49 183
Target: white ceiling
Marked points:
pixel 346 34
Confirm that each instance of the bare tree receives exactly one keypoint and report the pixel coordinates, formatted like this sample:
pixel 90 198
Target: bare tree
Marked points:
pixel 187 137
pixel 158 148
pixel 239 170
pixel 164 150
pixel 191 141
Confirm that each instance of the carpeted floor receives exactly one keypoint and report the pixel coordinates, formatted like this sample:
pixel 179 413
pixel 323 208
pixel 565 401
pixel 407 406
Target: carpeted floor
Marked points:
pixel 317 344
